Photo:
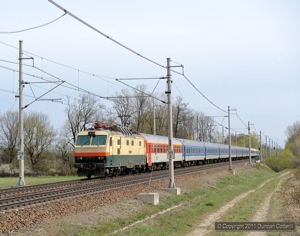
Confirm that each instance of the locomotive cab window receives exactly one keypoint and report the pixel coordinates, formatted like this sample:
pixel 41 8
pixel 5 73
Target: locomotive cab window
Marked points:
pixel 84 140
pixel 99 140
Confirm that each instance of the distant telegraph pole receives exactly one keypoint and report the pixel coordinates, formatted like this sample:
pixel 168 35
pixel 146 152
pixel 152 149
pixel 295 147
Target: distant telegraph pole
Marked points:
pixel 260 147
pixel 21 154
pixel 249 133
pixel 154 118
pixel 267 146
pixel 229 137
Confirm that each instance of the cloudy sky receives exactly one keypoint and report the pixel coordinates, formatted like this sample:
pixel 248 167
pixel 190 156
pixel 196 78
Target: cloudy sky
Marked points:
pixel 238 53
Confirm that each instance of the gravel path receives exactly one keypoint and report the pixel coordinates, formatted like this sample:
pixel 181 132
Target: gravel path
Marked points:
pixel 263 209
pixel 205 227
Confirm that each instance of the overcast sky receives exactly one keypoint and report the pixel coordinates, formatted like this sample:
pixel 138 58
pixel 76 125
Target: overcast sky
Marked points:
pixel 238 53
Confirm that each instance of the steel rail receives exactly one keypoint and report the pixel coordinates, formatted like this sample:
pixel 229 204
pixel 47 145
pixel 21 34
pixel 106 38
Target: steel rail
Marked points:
pixel 16 202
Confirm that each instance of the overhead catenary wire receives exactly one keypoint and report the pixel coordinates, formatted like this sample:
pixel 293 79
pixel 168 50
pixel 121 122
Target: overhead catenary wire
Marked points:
pixel 203 95
pixel 108 97
pixel 32 28
pixel 60 64
pixel 148 95
pixel 133 51
pixel 105 35
pixel 101 77
pixel 70 85
pixel 105 78
pixel 142 78
pixel 241 120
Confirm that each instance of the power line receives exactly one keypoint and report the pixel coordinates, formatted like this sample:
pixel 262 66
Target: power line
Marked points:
pixel 148 95
pixel 142 78
pixel 203 94
pixel 72 86
pixel 79 70
pixel 241 119
pixel 61 64
pixel 31 28
pixel 105 35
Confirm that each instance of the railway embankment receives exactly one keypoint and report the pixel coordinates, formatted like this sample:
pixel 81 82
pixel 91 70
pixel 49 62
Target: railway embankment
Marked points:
pixel 254 193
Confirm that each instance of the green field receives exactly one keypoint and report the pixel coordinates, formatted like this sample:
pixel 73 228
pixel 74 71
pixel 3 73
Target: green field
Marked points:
pixel 8 182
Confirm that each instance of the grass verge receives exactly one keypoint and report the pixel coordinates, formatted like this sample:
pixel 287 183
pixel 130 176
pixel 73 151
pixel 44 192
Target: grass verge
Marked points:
pixel 7 182
pixel 195 205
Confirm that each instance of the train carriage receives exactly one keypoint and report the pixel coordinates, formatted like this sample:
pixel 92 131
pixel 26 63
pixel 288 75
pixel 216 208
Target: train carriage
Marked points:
pixel 224 152
pixel 157 151
pixel 212 151
pixel 239 152
pixel 193 151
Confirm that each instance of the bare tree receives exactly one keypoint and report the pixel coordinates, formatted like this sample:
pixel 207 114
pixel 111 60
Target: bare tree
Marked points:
pixel 82 112
pixel 123 105
pixel 38 137
pixel 142 106
pixel 181 119
pixel 160 111
pixel 204 127
pixel 64 152
pixel 9 136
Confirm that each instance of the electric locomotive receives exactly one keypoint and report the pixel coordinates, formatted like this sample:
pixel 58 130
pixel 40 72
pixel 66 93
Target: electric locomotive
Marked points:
pixel 109 150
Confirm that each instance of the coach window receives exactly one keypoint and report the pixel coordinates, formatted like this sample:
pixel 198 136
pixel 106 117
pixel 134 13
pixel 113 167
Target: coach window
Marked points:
pixel 154 148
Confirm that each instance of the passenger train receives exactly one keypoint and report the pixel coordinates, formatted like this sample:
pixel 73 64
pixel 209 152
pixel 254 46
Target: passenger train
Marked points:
pixel 109 150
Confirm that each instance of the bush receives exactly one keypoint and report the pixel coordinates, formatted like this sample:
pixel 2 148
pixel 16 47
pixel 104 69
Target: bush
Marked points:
pixel 8 170
pixel 287 154
pixel 278 164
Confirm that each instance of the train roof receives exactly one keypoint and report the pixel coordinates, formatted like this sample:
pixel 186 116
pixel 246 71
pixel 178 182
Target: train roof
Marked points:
pixel 159 139
pixel 109 132
pixel 188 142
pixel 200 143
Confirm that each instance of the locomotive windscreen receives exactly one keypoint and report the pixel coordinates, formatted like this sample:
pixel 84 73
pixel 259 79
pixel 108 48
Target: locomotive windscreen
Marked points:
pixel 91 140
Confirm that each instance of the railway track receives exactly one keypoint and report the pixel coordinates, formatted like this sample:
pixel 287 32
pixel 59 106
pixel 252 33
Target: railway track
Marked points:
pixel 28 196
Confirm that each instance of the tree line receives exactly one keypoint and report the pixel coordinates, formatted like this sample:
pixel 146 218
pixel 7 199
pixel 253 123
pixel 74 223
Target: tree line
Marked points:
pixel 50 151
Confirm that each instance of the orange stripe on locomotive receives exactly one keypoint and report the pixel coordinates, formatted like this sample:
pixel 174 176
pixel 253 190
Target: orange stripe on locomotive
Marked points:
pixel 91 154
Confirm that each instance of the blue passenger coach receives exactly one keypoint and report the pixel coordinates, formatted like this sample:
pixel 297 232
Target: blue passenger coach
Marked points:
pixel 193 151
